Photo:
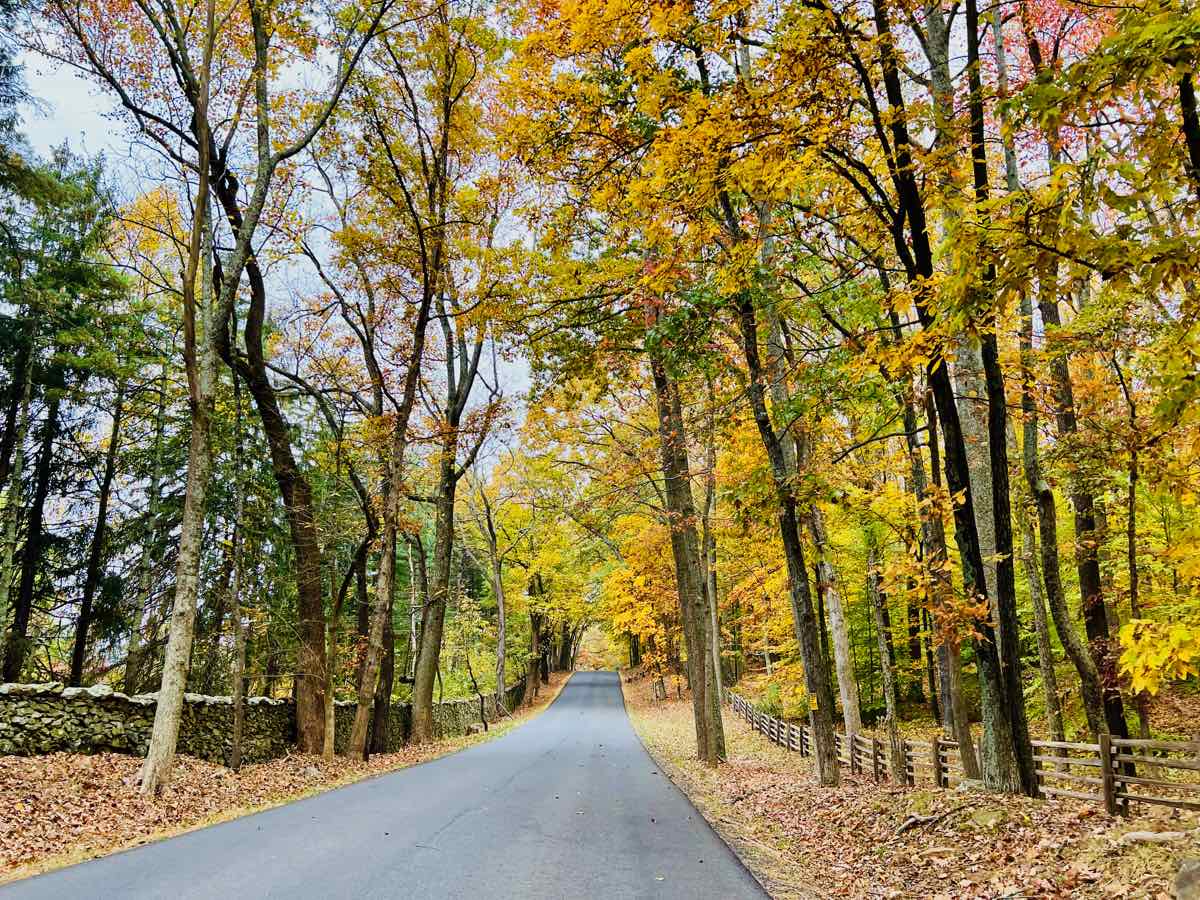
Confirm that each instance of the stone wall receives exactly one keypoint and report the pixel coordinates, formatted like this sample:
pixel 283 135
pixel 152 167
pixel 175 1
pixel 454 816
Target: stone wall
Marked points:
pixel 48 718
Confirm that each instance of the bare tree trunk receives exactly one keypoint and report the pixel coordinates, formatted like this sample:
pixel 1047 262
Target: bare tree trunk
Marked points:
pixel 96 550
pixel 1091 692
pixel 954 704
pixel 12 496
pixel 356 746
pixel 497 573
pixel 501 635
pixel 433 620
pixel 381 721
pixel 1054 714
pixel 201 363
pixel 161 755
pixel 973 412
pixel 145 581
pixel 1087 561
pixel 708 546
pixel 690 581
pixel 238 669
pixel 896 763
pixel 532 679
pixel 1008 756
pixel 816 671
pixel 31 559
pixel 842 660
pixel 332 640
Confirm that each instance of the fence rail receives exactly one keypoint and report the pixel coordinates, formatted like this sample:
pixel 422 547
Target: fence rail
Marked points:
pixel 1114 772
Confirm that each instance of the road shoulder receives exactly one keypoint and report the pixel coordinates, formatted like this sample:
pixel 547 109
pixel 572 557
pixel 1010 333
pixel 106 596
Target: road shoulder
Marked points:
pixel 666 732
pixel 62 809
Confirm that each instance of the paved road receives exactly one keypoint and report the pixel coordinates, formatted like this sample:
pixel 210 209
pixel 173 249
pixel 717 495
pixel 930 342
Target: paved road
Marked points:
pixel 566 806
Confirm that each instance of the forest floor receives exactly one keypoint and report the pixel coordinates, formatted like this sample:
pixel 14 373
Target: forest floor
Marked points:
pixel 65 808
pixel 802 840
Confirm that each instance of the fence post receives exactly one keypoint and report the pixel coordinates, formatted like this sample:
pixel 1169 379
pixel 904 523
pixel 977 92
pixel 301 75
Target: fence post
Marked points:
pixel 938 779
pixel 876 753
pixel 1108 782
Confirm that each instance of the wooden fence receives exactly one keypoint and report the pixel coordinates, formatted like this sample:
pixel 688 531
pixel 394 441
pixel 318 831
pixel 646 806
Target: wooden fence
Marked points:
pixel 1115 773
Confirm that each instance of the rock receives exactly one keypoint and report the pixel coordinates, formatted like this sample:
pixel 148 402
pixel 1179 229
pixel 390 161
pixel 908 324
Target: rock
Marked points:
pixel 97 691
pixel 1151 837
pixel 920 802
pixel 48 687
pixel 988 818
pixel 475 728
pixel 1187 882
pixel 311 772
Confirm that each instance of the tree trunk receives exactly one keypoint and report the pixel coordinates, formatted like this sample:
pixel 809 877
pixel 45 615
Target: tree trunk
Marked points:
pixel 329 708
pixel 532 681
pixel 201 362
pixel 295 491
pixel 1011 752
pixel 913 614
pixel 385 586
pixel 973 412
pixel 912 243
pixel 708 547
pixel 690 580
pixel 31 558
pixel 878 605
pixel 1097 672
pixel 1015 764
pixel 1054 713
pixel 501 629
pixel 418 598
pixel 96 550
pixel 816 670
pixel 564 648
pixel 145 580
pixel 434 617
pixel 827 586
pixel 930 669
pixel 17 433
pixel 238 668
pixel 1087 559
pixel 1190 125
pixel 381 721
pixel 940 592
pixel 160 757
pixel 16 412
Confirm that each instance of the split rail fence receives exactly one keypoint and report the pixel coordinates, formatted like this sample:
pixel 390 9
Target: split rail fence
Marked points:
pixel 1114 773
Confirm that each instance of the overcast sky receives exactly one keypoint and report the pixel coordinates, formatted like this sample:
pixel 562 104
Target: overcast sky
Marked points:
pixel 74 110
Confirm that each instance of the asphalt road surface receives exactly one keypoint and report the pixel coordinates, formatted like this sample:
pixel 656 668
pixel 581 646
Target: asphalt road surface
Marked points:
pixel 568 805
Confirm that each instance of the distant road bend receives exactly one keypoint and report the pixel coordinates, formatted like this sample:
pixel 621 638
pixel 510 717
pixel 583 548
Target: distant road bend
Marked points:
pixel 568 805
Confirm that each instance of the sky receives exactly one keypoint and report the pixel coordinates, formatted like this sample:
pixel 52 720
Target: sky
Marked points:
pixel 73 109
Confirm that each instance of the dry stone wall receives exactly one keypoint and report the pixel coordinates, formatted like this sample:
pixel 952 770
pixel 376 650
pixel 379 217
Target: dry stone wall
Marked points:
pixel 51 718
